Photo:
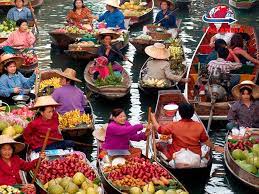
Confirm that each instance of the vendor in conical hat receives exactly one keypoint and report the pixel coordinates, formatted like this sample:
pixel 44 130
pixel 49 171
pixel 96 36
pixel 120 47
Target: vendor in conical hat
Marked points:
pixel 158 67
pixel 113 17
pixel 68 95
pixel 13 82
pixel 245 111
pixel 46 118
pixel 10 163
pixel 164 17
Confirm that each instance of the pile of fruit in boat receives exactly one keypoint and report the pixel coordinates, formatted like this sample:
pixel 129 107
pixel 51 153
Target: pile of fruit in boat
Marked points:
pixel 4 189
pixel 69 174
pixel 29 58
pixel 140 175
pixel 176 50
pixel 72 30
pixel 73 119
pixel 157 83
pixel 54 81
pixel 12 125
pixel 134 8
pixel 7 27
pixel 245 152
pixel 24 113
pixel 144 37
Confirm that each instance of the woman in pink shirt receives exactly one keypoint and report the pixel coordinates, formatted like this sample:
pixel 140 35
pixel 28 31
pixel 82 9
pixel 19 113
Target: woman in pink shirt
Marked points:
pixel 22 38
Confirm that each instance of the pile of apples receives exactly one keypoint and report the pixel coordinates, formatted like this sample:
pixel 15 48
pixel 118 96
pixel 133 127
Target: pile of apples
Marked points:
pixel 65 166
pixel 24 113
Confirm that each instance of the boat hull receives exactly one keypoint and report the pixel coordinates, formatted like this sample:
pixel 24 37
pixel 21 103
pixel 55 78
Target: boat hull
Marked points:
pixel 8 5
pixel 242 4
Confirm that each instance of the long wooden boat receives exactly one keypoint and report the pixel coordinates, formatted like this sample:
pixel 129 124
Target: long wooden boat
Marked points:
pixel 175 96
pixel 109 187
pixel 109 92
pixel 134 20
pixel 40 186
pixel 141 44
pixel 6 5
pixel 92 52
pixel 247 178
pixel 221 108
pixel 67 132
pixel 242 4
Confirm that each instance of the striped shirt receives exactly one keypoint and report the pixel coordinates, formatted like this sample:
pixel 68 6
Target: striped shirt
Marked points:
pixel 224 66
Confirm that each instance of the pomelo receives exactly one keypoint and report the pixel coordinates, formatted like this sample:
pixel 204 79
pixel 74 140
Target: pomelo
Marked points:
pixel 55 189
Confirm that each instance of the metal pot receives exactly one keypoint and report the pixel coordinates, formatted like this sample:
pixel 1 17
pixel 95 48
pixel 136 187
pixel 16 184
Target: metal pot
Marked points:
pixel 21 98
pixel 215 91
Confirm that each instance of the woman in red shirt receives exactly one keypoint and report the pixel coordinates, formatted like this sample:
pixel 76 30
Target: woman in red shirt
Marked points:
pixel 186 133
pixel 46 118
pixel 10 163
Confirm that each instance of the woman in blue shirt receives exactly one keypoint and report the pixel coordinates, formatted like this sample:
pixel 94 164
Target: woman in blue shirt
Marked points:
pixel 170 20
pixel 113 16
pixel 12 82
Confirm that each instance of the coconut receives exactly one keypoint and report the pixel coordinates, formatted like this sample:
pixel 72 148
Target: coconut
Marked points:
pixel 79 178
pixel 72 188
pixel 55 189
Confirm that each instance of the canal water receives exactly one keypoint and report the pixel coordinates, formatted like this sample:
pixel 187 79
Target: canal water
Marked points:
pixel 52 16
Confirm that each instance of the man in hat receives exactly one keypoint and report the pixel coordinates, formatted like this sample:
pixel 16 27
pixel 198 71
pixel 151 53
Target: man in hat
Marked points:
pixel 164 17
pixel 113 16
pixel 69 96
pixel 245 111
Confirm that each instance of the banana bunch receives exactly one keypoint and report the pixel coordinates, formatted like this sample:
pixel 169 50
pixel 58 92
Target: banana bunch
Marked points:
pixel 54 81
pixel 73 118
pixel 176 52
pixel 152 82
pixel 4 189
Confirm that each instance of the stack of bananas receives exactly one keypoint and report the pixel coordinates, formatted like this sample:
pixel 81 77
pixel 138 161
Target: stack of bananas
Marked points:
pixel 54 81
pixel 176 52
pixel 73 118
pixel 152 82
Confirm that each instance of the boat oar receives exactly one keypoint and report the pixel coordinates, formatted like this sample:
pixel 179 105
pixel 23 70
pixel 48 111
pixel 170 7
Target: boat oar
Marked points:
pixel 149 120
pixel 33 17
pixel 75 142
pixel 164 17
pixel 213 101
pixel 121 55
pixel 35 172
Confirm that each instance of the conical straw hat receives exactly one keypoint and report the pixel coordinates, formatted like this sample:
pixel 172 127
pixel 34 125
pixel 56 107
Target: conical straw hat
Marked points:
pixel 172 5
pixel 113 3
pixel 157 51
pixel 100 133
pixel 104 32
pixel 7 140
pixel 5 58
pixel 44 101
pixel 247 83
pixel 69 74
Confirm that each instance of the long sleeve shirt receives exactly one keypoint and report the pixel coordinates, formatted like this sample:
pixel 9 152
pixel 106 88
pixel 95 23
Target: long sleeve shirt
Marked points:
pixel 19 40
pixel 15 14
pixel 186 133
pixel 166 23
pixel 112 57
pixel 9 82
pixel 77 18
pixel 39 127
pixel 244 116
pixel 9 175
pixel 70 98
pixel 113 19
pixel 118 136
pixel 223 65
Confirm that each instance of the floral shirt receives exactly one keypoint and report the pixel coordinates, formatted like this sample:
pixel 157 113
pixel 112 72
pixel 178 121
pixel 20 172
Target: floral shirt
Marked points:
pixel 76 18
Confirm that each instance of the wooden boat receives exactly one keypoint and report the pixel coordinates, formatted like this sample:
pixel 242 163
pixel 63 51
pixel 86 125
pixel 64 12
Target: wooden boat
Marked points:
pixel 92 52
pixel 247 178
pixel 134 20
pixel 109 92
pixel 109 187
pixel 221 108
pixel 39 184
pixel 28 69
pixel 175 96
pixel 242 4
pixel 6 5
pixel 141 44
pixel 182 3
pixel 67 132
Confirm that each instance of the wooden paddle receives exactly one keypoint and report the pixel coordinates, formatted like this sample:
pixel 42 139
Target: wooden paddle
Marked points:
pixel 35 172
pixel 149 120
pixel 154 144
pixel 213 101
pixel 164 17
pixel 75 142
pixel 33 16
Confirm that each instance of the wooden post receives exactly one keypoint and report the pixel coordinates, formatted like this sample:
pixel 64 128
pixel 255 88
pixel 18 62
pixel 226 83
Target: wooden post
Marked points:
pixel 149 120
pixel 35 172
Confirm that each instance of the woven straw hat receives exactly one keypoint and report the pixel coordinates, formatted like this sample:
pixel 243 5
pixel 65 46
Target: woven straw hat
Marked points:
pixel 8 140
pixel 172 5
pixel 113 3
pixel 157 51
pixel 69 74
pixel 246 83
pixel 44 101
pixel 5 58
pixel 104 32
pixel 100 133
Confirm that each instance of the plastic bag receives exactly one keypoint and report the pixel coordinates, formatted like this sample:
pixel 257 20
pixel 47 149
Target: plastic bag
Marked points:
pixel 185 159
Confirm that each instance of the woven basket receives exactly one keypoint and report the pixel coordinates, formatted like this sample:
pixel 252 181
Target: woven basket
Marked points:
pixel 159 35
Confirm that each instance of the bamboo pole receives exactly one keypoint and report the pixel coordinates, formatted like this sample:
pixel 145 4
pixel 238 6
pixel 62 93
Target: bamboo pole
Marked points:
pixel 149 120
